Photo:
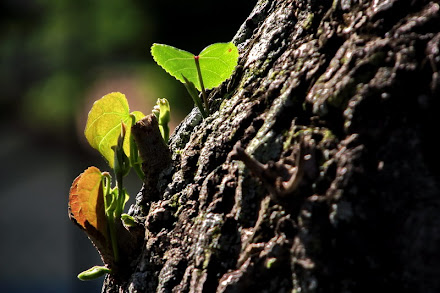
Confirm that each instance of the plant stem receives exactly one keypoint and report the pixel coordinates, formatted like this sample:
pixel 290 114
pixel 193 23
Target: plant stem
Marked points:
pixel 134 153
pixel 165 131
pixel 199 73
pixel 192 91
pixel 134 158
pixel 115 214
pixel 120 198
pixel 109 203
pixel 112 229
pixel 139 172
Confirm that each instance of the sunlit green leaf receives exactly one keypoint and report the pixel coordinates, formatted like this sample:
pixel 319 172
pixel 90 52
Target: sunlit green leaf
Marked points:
pixel 217 62
pixel 162 112
pixel 104 124
pixel 128 220
pixel 138 115
pixel 93 273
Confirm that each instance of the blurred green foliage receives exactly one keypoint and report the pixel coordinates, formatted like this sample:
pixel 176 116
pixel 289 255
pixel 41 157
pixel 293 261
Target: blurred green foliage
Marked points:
pixel 53 51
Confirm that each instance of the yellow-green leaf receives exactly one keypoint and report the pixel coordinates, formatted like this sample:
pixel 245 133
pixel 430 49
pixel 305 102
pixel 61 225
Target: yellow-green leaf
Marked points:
pixel 217 62
pixel 104 124
pixel 93 273
pixel 138 115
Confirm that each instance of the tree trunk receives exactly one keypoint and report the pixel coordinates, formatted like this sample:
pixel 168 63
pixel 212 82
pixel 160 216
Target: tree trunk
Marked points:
pixel 317 169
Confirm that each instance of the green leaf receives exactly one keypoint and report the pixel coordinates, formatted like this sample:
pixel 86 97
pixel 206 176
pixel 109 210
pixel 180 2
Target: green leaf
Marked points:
pixel 138 115
pixel 93 273
pixel 217 62
pixel 104 124
pixel 128 220
pixel 162 112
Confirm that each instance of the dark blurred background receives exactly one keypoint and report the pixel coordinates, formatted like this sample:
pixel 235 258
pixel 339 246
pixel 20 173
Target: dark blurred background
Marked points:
pixel 56 58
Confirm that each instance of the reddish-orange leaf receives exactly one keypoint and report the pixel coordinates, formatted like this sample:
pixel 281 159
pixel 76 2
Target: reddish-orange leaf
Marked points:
pixel 86 208
pixel 86 198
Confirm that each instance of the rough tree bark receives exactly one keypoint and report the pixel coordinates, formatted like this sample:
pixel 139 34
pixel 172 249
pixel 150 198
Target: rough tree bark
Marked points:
pixel 317 169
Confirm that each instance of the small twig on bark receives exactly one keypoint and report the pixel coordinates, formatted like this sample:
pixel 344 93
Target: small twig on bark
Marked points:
pixel 270 176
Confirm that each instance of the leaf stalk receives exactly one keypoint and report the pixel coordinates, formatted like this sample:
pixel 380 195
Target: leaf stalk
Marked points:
pixel 199 74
